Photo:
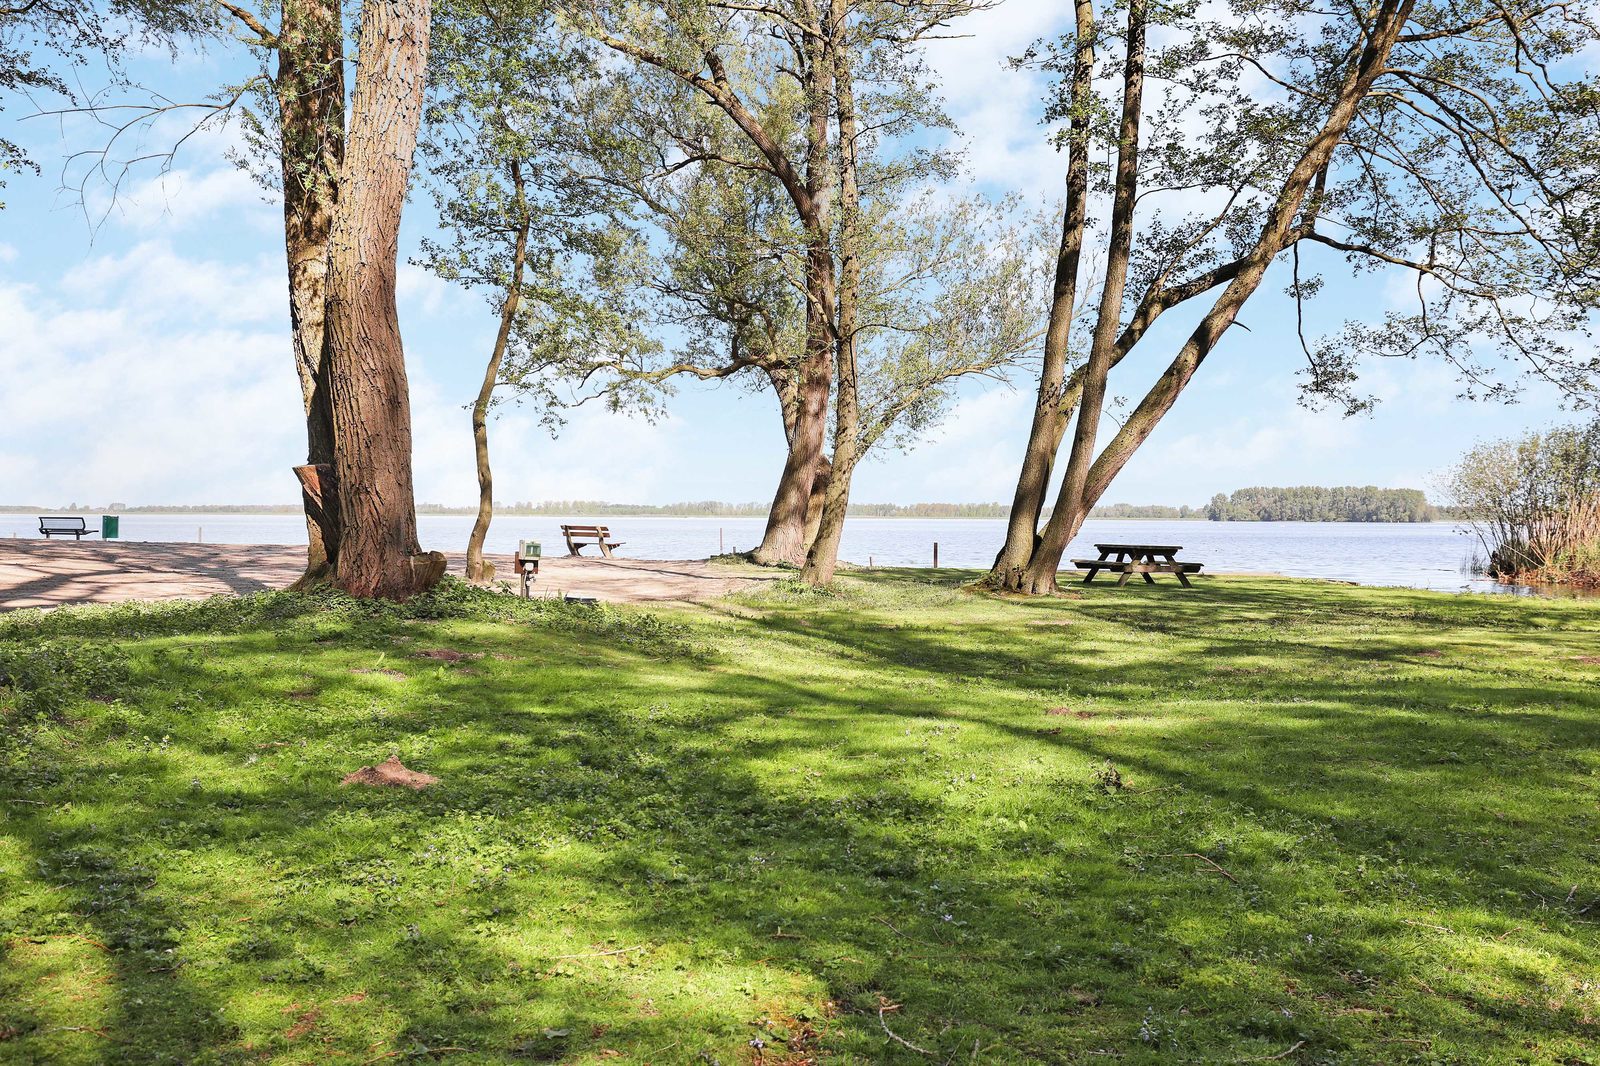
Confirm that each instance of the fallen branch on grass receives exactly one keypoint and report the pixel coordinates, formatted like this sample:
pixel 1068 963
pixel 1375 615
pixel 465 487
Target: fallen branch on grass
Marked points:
pixel 1285 1053
pixel 884 1006
pixel 599 954
pixel 1202 858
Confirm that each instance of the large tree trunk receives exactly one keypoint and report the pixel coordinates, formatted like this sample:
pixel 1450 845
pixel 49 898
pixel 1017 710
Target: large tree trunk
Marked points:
pixel 1068 515
pixel 786 540
pixel 362 354
pixel 786 387
pixel 1244 276
pixel 477 569
pixel 1055 401
pixel 819 498
pixel 310 93
pixel 822 557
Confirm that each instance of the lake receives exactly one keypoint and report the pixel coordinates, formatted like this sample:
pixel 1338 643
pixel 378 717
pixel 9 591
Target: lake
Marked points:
pixel 1412 555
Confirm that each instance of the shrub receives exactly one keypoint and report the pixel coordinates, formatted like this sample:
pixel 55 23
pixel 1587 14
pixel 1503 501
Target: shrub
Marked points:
pixel 1534 503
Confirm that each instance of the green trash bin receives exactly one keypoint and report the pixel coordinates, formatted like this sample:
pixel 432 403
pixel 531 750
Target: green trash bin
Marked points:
pixel 109 524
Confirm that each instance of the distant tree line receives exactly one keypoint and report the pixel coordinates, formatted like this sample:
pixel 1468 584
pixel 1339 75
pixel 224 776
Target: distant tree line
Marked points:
pixel 1311 503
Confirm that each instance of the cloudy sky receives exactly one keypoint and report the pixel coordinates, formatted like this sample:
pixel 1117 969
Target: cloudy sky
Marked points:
pixel 146 359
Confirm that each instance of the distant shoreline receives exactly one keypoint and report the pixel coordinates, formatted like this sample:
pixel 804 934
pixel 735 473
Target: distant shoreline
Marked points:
pixel 467 513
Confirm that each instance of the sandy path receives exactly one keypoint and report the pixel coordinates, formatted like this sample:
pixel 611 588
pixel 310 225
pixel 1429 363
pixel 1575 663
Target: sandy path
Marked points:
pixel 40 573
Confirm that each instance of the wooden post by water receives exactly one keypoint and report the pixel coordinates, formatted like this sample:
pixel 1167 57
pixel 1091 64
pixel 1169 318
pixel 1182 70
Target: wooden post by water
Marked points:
pixel 936 555
pixel 719 542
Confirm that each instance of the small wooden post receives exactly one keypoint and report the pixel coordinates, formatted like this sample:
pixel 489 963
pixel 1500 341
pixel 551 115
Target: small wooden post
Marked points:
pixel 936 555
pixel 199 534
pixel 719 542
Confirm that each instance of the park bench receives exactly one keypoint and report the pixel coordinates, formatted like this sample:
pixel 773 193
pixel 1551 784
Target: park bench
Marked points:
pixel 1142 559
pixel 64 526
pixel 600 536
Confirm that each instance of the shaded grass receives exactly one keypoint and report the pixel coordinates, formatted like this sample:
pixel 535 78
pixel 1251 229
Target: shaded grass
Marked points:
pixel 1353 825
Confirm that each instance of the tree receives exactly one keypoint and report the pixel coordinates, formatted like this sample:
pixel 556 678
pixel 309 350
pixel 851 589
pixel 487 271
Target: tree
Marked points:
pixel 362 358
pixel 526 225
pixel 1433 139
pixel 932 291
pixel 300 128
pixel 765 70
pixel 825 83
pixel 307 139
pixel 1534 503
pixel 1057 397
pixel 1310 503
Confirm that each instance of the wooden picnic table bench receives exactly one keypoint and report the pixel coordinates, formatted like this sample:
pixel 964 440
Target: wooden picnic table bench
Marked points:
pixel 600 536
pixel 64 526
pixel 1142 559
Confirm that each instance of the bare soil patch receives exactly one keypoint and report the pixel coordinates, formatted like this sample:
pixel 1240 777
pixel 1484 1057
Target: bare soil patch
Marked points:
pixel 391 773
pixel 54 573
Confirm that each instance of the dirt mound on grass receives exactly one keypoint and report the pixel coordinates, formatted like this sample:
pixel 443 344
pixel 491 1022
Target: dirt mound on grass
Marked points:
pixel 391 772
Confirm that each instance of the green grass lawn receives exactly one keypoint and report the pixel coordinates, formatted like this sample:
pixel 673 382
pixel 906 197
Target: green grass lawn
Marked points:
pixel 1264 820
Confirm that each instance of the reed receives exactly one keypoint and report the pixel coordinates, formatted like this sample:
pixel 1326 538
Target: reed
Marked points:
pixel 1534 503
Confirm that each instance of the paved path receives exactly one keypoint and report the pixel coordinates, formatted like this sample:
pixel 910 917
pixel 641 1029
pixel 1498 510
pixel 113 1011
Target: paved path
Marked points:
pixel 40 573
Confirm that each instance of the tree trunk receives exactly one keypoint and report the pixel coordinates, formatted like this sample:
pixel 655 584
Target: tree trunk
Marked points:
pixel 786 540
pixel 378 552
pixel 310 93
pixel 477 569
pixel 822 558
pixel 1055 401
pixel 1245 275
pixel 819 498
pixel 1068 515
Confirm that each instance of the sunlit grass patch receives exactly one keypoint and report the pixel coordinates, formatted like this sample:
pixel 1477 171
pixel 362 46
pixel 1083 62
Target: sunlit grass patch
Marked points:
pixel 1208 825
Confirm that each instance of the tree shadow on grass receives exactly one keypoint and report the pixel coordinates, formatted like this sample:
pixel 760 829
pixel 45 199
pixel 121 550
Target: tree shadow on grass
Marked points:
pixel 820 843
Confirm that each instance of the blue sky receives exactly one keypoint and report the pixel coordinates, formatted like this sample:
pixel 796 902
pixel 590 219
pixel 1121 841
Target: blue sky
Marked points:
pixel 148 361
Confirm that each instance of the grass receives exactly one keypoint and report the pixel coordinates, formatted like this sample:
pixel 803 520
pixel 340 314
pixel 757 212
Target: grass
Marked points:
pixel 1265 820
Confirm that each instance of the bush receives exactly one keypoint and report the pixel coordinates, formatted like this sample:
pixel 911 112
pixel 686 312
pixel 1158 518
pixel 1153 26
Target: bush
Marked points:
pixel 1534 503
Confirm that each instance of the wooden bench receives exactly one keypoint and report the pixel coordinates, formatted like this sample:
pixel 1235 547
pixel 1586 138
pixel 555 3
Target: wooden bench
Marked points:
pixel 600 536
pixel 64 526
pixel 1142 559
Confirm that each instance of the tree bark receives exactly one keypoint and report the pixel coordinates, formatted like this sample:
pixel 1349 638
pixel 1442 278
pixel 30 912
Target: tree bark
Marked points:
pixel 822 557
pixel 477 569
pixel 310 93
pixel 1246 274
pixel 1055 402
pixel 786 540
pixel 1068 515
pixel 785 387
pixel 363 357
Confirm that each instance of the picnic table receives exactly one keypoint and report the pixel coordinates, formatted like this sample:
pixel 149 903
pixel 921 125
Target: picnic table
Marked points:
pixel 1142 559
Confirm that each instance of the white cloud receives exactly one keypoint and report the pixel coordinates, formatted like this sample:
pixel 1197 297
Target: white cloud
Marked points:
pixel 996 108
pixel 423 293
pixel 182 199
pixel 148 377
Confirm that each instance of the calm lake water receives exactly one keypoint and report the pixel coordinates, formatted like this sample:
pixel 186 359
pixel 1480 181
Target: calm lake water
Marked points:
pixel 1414 555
